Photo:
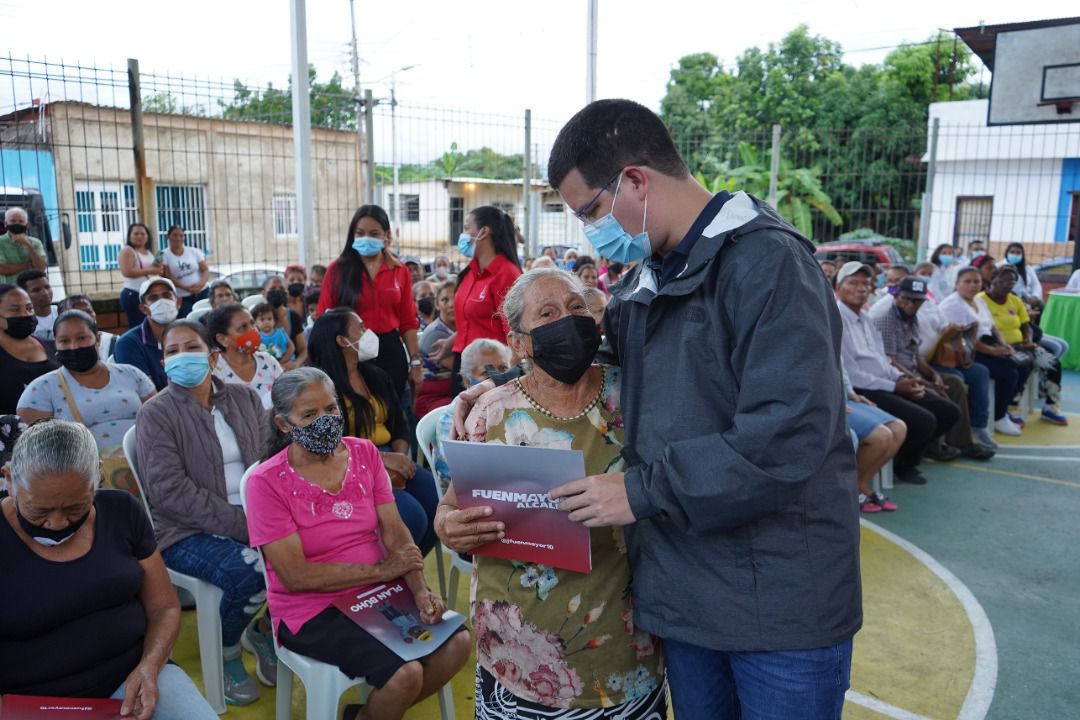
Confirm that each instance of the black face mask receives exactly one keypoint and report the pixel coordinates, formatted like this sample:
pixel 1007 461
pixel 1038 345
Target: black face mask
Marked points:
pixel 21 327
pixel 276 298
pixel 565 348
pixel 16 229
pixel 43 535
pixel 296 289
pixel 78 359
pixel 426 305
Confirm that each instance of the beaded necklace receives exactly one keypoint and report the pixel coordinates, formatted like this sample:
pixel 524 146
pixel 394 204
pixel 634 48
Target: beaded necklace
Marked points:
pixel 548 414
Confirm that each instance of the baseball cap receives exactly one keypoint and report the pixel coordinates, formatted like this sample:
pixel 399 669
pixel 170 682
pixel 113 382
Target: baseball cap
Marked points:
pixel 852 267
pixel 412 259
pixel 151 282
pixel 912 287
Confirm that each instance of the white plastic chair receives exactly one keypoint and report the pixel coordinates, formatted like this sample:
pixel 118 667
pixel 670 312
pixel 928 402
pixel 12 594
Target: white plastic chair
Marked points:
pixel 203 304
pixel 324 683
pixel 207 605
pixel 198 313
pixel 425 438
pixel 252 300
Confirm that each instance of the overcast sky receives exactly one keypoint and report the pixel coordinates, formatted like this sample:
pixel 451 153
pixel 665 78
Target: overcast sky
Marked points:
pixel 485 55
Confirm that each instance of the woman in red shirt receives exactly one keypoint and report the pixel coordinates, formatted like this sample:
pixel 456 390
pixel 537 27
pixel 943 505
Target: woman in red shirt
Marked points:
pixel 371 281
pixel 490 239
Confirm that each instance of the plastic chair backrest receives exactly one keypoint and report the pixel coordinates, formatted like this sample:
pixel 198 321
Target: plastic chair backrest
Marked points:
pixel 426 430
pixel 203 304
pixel 129 453
pixel 243 505
pixel 252 300
pixel 198 313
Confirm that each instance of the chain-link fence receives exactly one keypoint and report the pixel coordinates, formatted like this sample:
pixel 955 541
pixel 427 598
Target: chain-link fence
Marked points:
pixel 219 163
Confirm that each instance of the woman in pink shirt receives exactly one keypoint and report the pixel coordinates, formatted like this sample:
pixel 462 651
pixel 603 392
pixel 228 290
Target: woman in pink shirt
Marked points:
pixel 322 510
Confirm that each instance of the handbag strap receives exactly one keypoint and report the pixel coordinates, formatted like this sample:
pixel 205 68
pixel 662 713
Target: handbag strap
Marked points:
pixel 68 396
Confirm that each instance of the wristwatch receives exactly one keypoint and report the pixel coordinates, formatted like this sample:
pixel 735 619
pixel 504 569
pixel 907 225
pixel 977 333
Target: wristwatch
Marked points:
pixel 415 362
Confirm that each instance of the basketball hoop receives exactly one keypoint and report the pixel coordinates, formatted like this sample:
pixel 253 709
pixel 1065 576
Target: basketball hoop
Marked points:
pixel 1063 105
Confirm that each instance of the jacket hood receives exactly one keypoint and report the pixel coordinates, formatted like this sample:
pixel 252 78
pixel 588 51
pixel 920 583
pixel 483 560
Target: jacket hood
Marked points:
pixel 741 215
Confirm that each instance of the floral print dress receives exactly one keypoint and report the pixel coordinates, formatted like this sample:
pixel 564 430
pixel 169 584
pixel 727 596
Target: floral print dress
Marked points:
pixel 553 642
pixel 267 370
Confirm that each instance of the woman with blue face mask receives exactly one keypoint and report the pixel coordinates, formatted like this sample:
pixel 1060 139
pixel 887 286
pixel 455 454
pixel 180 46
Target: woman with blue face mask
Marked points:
pixel 943 280
pixel 378 287
pixel 489 240
pixel 193 440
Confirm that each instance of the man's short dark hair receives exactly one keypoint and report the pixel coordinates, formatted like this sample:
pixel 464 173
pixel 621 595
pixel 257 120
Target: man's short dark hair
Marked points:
pixel 28 276
pixel 608 135
pixel 71 300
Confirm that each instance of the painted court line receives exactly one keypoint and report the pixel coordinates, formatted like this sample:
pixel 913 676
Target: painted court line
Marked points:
pixel 1022 476
pixel 880 706
pixel 1040 458
pixel 981 692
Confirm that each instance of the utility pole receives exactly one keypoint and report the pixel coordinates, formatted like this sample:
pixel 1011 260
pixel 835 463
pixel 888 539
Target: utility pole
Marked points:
pixel 362 110
pixel 301 107
pixel 590 51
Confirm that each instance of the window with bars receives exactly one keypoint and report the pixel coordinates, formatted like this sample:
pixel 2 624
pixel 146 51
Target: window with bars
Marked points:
pixel 183 205
pixel 284 211
pixel 410 207
pixel 973 216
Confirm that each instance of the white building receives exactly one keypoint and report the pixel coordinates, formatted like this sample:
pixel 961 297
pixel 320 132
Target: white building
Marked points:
pixel 1002 184
pixel 433 212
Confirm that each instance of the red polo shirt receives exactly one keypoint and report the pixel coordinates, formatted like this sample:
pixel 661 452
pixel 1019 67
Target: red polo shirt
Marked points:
pixel 385 305
pixel 479 297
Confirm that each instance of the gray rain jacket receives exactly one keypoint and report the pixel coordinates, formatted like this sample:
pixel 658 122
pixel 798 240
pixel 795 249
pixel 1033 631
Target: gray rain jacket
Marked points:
pixel 740 467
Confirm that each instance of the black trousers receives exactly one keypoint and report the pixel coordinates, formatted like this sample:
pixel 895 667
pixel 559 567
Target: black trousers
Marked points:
pixel 926 419
pixel 393 359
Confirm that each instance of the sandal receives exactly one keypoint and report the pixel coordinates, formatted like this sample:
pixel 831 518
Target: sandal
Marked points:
pixel 867 504
pixel 883 502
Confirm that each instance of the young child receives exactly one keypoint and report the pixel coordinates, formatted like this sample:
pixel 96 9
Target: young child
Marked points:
pixel 274 339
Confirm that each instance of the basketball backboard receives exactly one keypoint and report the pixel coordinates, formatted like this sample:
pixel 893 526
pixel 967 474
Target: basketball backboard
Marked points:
pixel 1036 70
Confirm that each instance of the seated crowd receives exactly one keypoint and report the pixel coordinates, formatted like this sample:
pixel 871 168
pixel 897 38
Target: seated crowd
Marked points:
pixel 325 394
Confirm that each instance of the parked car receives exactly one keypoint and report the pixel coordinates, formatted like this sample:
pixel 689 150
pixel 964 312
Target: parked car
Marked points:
pixel 841 252
pixel 1054 273
pixel 244 277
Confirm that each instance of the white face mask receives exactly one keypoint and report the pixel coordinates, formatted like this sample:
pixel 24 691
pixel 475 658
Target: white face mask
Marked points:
pixel 441 272
pixel 164 311
pixel 367 347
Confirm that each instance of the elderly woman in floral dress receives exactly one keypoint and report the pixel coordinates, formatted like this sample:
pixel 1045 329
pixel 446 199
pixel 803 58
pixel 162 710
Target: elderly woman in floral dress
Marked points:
pixel 554 643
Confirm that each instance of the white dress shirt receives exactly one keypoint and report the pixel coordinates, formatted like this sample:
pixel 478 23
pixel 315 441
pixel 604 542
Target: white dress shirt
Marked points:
pixel 863 353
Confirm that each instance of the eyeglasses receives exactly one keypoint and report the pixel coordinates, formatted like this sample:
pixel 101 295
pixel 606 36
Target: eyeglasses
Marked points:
pixel 583 213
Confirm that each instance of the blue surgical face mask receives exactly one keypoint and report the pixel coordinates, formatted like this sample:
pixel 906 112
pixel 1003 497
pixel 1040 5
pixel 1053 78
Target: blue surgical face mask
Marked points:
pixel 977 254
pixel 880 281
pixel 368 246
pixel 1014 258
pixel 945 260
pixel 187 369
pixel 613 242
pixel 466 245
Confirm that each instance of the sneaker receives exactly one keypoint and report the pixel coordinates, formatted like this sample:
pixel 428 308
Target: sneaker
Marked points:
pixel 261 645
pixel 883 502
pixel 1017 420
pixel 976 451
pixel 1006 426
pixel 1055 418
pixel 912 476
pixel 984 438
pixel 240 688
pixel 867 505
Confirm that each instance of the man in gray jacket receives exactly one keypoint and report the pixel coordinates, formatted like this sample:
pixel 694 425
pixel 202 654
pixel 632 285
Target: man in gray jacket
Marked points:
pixel 739 498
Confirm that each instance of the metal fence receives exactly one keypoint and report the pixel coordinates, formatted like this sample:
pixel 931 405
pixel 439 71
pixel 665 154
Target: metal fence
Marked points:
pixel 219 162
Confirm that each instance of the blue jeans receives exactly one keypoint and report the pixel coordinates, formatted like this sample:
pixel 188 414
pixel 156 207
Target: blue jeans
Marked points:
pixel 229 565
pixel 417 504
pixel 1009 379
pixel 129 303
pixel 780 685
pixel 977 379
pixel 178 698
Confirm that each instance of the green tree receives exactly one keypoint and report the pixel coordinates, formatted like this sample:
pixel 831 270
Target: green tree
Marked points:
pixel 799 193
pixel 332 106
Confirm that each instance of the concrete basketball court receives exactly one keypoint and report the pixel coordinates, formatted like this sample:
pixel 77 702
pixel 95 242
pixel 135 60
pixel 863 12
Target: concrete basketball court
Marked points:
pixel 971 593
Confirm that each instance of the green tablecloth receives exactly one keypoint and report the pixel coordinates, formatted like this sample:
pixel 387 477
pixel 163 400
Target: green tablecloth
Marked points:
pixel 1061 318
